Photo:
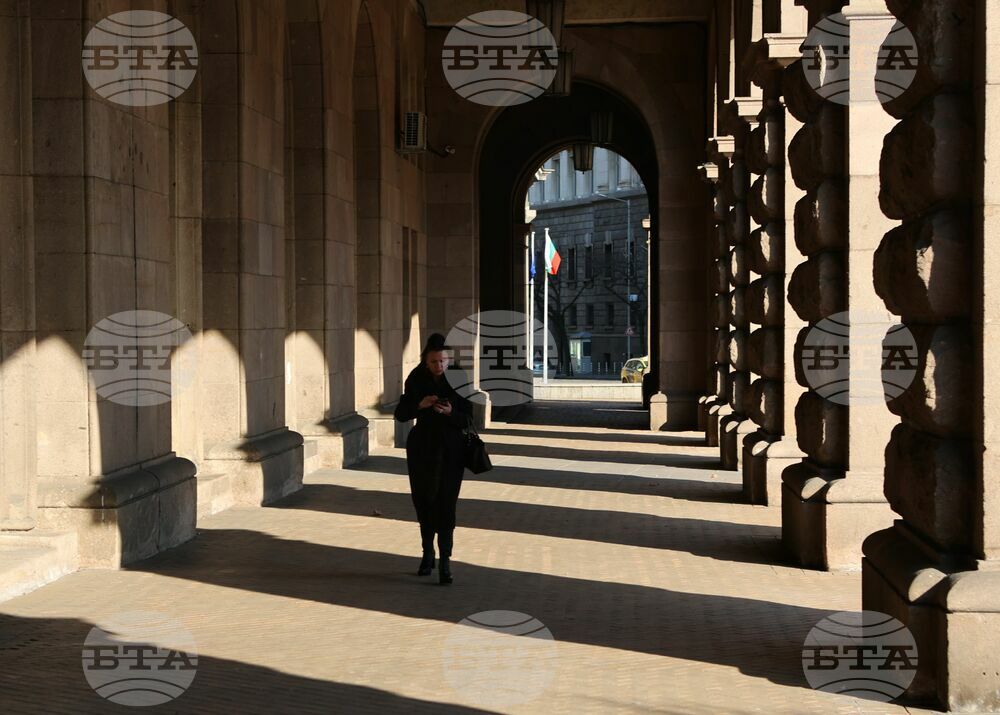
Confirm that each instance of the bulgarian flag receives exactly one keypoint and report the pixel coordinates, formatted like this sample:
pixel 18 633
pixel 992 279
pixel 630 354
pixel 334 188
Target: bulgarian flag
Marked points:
pixel 552 259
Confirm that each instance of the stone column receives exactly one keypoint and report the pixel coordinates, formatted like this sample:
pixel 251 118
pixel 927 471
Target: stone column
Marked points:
pixel 734 426
pixel 718 280
pixel 18 448
pixel 833 498
pixel 243 255
pixel 937 569
pixel 773 447
pixel 104 245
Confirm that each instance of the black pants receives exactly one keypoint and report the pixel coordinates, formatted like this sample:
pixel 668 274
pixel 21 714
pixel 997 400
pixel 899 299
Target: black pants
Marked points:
pixel 436 514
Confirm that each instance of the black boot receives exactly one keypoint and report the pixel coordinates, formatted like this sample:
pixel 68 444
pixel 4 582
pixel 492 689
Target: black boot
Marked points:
pixel 444 573
pixel 426 564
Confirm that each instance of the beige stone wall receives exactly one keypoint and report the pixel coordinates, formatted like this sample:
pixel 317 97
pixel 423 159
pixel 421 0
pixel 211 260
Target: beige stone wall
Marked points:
pixel 18 435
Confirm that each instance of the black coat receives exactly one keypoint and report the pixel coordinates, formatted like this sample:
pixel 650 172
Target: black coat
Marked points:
pixel 435 447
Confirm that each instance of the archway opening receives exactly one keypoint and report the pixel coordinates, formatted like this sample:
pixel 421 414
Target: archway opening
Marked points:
pixel 528 136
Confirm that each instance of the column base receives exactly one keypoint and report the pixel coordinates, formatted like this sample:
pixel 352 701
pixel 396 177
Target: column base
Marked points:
pixel 384 430
pixel 826 516
pixel 341 441
pixel 261 468
pixel 705 402
pixel 124 516
pixel 482 412
pixel 951 607
pixel 716 413
pixel 712 405
pixel 732 430
pixel 674 411
pixel 765 458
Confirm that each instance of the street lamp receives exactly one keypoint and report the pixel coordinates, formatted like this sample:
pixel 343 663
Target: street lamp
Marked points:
pixel 628 271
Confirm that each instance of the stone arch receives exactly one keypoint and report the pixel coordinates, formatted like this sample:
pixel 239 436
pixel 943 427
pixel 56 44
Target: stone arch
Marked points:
pixel 672 111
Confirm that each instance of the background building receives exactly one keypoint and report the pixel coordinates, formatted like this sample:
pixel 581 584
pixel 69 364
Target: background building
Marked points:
pixel 598 299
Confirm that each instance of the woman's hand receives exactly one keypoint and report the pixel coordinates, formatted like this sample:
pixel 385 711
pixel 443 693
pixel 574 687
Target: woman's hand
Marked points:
pixel 442 408
pixel 428 401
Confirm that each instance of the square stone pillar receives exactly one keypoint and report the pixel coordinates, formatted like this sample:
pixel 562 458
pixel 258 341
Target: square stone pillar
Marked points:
pixel 18 448
pixel 104 245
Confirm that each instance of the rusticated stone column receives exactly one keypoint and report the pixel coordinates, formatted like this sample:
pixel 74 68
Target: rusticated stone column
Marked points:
pixel 938 568
pixel 832 498
pixel 735 425
pixel 773 446
pixel 766 295
pixel 709 406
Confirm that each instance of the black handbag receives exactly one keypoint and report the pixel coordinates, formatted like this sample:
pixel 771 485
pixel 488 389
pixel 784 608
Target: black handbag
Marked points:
pixel 477 459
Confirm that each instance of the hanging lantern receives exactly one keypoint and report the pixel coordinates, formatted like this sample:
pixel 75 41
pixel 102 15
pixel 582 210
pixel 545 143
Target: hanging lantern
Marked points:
pixel 583 156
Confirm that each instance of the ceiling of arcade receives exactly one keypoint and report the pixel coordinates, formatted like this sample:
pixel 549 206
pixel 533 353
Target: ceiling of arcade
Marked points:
pixel 448 12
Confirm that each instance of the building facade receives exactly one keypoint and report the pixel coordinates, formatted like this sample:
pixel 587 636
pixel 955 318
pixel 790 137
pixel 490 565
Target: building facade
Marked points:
pixel 599 298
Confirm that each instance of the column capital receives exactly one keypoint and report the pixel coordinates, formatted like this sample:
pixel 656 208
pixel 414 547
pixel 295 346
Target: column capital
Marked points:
pixel 709 172
pixel 748 108
pixel 724 145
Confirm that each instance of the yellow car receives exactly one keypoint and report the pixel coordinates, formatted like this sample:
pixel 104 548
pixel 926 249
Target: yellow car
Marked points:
pixel 635 368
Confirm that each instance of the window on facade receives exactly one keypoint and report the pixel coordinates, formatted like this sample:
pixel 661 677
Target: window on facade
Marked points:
pixel 589 308
pixel 608 260
pixel 610 315
pixel 571 315
pixel 588 263
pixel 631 258
pixel 571 264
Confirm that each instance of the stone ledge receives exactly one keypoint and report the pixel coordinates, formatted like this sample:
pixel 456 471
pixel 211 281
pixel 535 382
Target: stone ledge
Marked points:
pixel 124 516
pixel 261 468
pixel 341 441
pixel 116 489
pixel 258 448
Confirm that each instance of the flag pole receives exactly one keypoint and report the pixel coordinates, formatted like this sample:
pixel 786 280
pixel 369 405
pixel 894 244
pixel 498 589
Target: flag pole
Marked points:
pixel 545 318
pixel 530 340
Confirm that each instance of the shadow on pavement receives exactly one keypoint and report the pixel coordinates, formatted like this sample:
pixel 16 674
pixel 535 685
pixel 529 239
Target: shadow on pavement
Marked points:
pixel 584 413
pixel 703 489
pixel 760 638
pixel 721 540
pixel 41 672
pixel 660 438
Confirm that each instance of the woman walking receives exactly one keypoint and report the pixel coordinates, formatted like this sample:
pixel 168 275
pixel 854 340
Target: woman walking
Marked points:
pixel 435 451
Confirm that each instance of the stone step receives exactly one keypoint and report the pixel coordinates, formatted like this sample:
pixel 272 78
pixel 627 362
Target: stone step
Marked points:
pixel 215 494
pixel 30 559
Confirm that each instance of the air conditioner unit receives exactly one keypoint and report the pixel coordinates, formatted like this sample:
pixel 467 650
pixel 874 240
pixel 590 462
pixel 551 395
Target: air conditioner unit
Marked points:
pixel 414 134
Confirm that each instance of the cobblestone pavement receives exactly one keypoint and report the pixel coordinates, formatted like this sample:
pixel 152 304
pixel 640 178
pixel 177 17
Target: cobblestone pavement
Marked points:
pixel 662 593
